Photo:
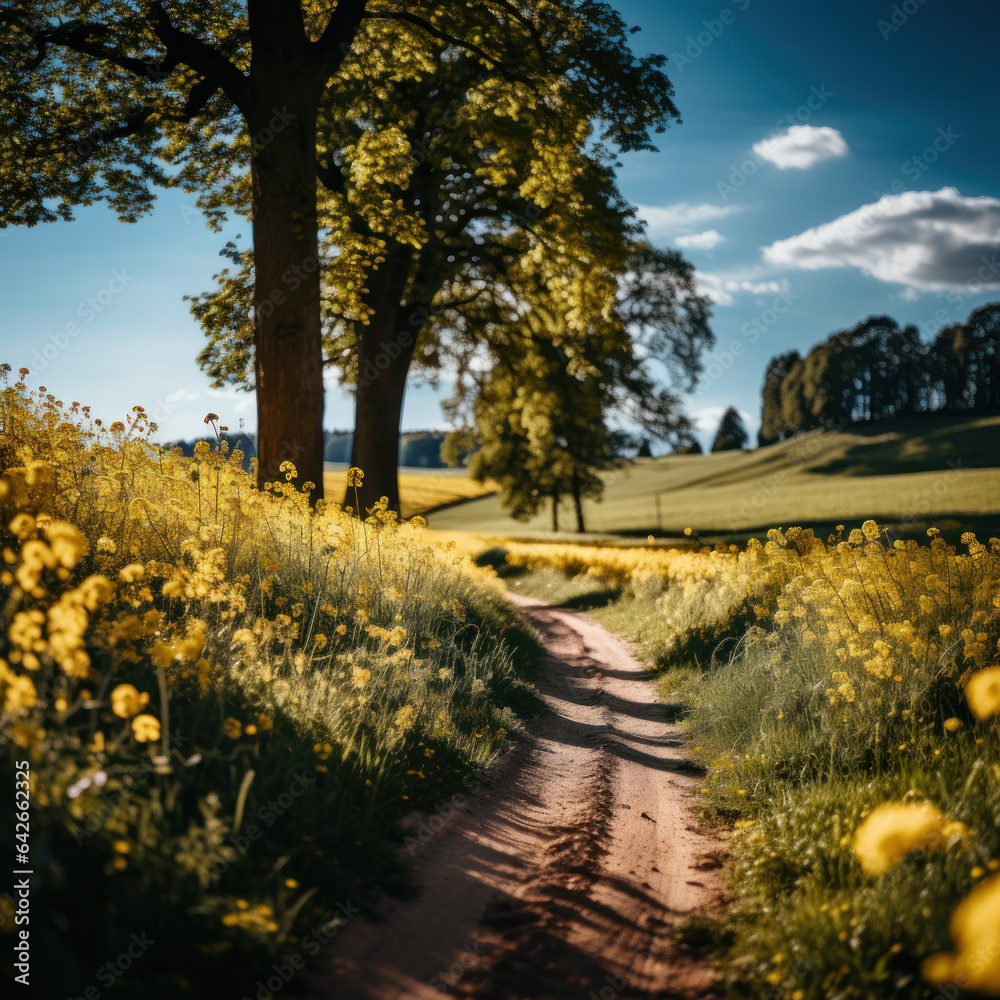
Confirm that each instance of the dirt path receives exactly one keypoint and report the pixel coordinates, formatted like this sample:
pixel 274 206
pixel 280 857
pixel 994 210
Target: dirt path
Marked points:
pixel 564 877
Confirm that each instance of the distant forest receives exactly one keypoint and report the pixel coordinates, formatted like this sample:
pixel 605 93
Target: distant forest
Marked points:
pixel 879 370
pixel 418 449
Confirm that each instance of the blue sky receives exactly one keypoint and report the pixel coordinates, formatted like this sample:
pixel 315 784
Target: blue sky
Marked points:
pixel 835 160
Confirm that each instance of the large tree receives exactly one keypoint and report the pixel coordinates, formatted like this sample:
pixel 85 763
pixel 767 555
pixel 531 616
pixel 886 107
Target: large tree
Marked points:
pixel 772 421
pixel 104 100
pixel 554 396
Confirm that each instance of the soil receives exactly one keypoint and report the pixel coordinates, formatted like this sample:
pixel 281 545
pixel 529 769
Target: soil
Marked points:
pixel 567 874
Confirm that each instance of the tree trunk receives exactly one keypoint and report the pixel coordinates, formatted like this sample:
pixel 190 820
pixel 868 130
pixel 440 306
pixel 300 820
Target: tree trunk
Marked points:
pixel 288 347
pixel 555 510
pixel 578 504
pixel 385 349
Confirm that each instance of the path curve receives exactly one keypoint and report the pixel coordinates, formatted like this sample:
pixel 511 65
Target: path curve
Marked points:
pixel 565 876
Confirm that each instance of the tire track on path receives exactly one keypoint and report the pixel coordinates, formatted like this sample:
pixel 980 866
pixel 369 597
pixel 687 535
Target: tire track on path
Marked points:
pixel 569 877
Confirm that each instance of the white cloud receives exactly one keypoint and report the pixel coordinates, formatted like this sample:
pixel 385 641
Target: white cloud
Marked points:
pixel 670 219
pixel 927 240
pixel 721 289
pixel 802 146
pixel 181 396
pixel 707 240
pixel 706 420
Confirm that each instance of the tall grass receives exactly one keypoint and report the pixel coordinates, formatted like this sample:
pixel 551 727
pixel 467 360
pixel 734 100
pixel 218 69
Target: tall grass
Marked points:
pixel 846 713
pixel 228 702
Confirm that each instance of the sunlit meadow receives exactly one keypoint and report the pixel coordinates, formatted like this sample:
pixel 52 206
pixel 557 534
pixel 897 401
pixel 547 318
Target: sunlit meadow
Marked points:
pixel 228 702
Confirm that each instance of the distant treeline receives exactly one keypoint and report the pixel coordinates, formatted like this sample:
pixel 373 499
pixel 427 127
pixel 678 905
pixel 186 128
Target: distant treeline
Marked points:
pixel 878 370
pixel 420 449
pixel 417 448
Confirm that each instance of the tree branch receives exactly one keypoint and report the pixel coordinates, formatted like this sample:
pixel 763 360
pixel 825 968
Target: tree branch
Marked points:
pixel 84 38
pixel 135 123
pixel 335 42
pixel 202 58
pixel 458 303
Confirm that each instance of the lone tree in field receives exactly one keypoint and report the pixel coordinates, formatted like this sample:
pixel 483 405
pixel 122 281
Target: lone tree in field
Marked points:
pixel 550 404
pixel 732 433
pixel 238 102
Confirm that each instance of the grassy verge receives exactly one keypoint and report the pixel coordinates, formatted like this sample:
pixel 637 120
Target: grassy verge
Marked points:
pixel 844 699
pixel 227 705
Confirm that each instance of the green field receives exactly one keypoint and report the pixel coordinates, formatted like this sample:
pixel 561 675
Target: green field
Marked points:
pixel 908 473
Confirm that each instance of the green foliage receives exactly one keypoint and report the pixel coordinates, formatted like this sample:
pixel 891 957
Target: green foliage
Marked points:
pixel 772 424
pixel 541 401
pixel 440 137
pixel 878 370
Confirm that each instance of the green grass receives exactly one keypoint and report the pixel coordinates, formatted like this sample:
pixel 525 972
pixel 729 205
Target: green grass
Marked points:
pixel 912 473
pixel 796 771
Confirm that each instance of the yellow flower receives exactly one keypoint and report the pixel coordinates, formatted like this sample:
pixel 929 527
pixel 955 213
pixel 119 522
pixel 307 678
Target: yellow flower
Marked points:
pixel 871 530
pixel 232 728
pixel 122 847
pixel 404 718
pixel 983 693
pixel 360 676
pixel 290 883
pixel 126 701
pixel 146 728
pixel 953 725
pixel 162 654
pixel 354 476
pixel 132 573
pixel 975 931
pixel 341 629
pixel 22 525
pixel 895 829
pixel 265 721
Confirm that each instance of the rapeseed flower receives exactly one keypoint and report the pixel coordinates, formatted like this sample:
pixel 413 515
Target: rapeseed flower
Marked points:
pixel 975 931
pixel 896 829
pixel 983 693
pixel 146 728
pixel 126 701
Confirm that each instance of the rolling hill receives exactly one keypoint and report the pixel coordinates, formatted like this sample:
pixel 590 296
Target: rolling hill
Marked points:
pixel 909 473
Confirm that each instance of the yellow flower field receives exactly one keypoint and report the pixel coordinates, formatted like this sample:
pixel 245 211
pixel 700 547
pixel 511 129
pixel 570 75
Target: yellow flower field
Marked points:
pixel 226 701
